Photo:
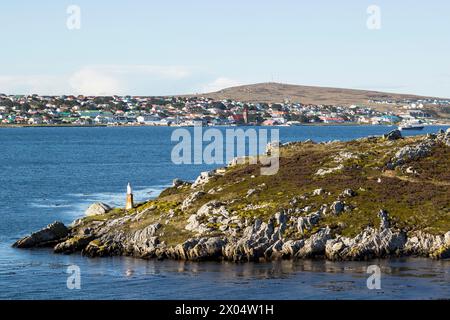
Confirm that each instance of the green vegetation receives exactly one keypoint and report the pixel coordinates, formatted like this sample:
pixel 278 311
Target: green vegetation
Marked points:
pixel 415 201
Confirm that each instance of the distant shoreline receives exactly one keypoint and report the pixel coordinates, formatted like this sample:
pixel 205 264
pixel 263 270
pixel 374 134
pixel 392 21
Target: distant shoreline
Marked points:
pixel 143 125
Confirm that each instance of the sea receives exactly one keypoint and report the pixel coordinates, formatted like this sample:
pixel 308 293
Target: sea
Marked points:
pixel 54 173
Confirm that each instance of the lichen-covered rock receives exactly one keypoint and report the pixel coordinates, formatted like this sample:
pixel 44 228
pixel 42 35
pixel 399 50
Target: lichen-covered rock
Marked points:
pixel 213 212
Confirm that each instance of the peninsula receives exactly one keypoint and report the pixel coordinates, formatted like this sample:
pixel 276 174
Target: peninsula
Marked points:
pixel 374 197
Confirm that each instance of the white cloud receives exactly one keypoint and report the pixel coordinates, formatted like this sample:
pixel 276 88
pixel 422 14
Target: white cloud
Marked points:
pixel 120 79
pixel 89 81
pixel 219 84
pixel 98 80
pixel 29 84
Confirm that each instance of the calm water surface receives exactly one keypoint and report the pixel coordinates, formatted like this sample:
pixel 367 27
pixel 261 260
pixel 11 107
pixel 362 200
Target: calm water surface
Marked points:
pixel 50 174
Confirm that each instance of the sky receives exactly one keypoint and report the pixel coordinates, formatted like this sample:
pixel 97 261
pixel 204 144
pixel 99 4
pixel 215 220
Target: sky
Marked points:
pixel 179 46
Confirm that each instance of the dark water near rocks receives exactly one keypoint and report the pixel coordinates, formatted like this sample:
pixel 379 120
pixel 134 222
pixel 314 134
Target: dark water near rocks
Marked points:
pixel 49 174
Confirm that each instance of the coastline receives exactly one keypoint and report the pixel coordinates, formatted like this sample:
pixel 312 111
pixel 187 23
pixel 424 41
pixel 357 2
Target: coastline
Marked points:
pixel 192 221
pixel 349 124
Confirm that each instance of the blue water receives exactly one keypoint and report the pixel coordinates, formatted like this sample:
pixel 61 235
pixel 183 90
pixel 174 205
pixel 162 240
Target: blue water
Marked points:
pixel 49 174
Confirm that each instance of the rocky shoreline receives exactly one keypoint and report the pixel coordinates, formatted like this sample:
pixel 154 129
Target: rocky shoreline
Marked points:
pixel 202 223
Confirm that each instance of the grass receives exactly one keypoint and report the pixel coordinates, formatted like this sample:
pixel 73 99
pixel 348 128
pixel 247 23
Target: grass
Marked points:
pixel 420 202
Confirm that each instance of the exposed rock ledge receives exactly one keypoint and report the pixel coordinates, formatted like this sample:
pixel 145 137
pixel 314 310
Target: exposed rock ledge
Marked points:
pixel 260 241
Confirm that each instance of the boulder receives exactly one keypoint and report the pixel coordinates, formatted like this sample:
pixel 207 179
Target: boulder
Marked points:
pixel 178 183
pixel 337 207
pixel 97 209
pixel 318 192
pixel 48 236
pixel 348 193
pixel 393 135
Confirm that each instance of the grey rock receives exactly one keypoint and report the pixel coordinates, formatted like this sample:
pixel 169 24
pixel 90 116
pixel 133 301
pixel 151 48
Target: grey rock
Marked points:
pixel 318 192
pixel 315 245
pixel 411 153
pixel 177 183
pixel 423 244
pixel 337 207
pixel 52 233
pixel 97 209
pixel 393 135
pixel 203 179
pixel 207 249
pixel 291 247
pixel 191 199
pixel 306 223
pixel 348 193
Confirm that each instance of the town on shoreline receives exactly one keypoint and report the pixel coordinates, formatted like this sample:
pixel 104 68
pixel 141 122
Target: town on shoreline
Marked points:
pixel 73 111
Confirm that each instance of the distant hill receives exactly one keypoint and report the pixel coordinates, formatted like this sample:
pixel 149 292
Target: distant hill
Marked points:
pixel 278 92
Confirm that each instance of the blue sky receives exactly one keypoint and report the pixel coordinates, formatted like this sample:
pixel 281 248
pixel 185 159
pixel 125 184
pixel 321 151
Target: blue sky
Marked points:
pixel 174 47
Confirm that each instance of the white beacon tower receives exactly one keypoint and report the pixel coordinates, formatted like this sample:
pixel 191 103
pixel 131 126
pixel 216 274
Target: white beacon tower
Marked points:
pixel 130 204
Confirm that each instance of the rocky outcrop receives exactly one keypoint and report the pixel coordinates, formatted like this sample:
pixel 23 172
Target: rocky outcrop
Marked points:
pixel 326 171
pixel 46 237
pixel 213 212
pixel 191 199
pixel 370 243
pixel 74 244
pixel 97 209
pixel 412 153
pixel 423 244
pixel 202 179
pixel 259 241
pixel 444 137
pixel 308 222
pixel 178 183
pixel 315 245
